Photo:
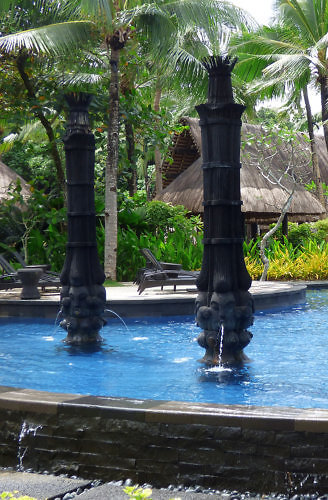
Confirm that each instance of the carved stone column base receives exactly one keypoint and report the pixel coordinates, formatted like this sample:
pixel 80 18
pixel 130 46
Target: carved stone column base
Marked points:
pixel 82 308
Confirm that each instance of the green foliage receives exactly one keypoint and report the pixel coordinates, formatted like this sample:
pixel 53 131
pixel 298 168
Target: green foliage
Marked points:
pixel 30 160
pixel 298 234
pixel 6 495
pixel 136 493
pixel 132 212
pixel 164 229
pixel 251 248
pixel 269 117
pixel 36 225
pixel 163 216
pixel 301 256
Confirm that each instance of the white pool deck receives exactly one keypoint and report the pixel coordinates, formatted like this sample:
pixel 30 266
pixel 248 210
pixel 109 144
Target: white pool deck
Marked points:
pixel 128 291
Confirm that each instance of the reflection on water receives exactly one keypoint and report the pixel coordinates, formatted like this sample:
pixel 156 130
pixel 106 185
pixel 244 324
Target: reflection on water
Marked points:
pixel 233 376
pixel 223 375
pixel 84 349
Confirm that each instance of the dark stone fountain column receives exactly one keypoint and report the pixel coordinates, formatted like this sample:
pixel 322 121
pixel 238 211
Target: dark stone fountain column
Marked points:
pixel 224 305
pixel 83 297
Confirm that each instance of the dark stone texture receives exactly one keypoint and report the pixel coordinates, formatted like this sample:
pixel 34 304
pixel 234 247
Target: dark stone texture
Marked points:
pixel 272 451
pixel 98 446
pixel 257 436
pixel 224 307
pixel 308 451
pixel 30 279
pixel 83 297
pixel 228 433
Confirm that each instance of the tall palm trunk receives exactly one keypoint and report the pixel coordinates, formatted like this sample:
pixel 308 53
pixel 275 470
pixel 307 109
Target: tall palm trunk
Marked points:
pixel 126 88
pixel 130 151
pixel 115 43
pixel 110 257
pixel 324 105
pixel 158 157
pixel 314 151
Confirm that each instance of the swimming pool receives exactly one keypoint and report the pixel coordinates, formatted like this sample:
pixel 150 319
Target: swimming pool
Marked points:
pixel 157 358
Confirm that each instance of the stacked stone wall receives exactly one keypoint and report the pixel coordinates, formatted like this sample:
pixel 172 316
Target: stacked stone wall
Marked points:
pixel 241 450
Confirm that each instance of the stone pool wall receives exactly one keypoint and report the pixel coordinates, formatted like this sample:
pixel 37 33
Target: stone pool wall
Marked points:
pixel 217 446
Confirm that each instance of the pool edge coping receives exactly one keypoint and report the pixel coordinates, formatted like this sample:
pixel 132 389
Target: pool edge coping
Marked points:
pixel 170 412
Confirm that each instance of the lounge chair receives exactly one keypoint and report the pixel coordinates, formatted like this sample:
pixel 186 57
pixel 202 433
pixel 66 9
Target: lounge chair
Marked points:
pixel 20 260
pixel 157 273
pixel 8 281
pixel 9 278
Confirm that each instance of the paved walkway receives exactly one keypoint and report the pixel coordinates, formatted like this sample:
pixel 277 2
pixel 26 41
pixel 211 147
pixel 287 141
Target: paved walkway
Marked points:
pixel 126 302
pixel 48 487
pixel 128 291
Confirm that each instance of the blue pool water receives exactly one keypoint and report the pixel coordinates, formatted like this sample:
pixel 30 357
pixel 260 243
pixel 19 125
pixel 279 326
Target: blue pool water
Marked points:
pixel 157 359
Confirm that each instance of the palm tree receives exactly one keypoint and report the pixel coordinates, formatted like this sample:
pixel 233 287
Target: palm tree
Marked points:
pixel 49 35
pixel 286 58
pixel 179 69
pixel 159 22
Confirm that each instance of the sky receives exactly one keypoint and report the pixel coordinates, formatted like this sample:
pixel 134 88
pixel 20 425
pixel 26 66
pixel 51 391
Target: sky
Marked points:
pixel 261 10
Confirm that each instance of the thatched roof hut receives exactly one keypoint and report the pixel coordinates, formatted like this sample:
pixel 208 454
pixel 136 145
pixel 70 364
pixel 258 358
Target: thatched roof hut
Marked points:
pixel 262 201
pixel 9 177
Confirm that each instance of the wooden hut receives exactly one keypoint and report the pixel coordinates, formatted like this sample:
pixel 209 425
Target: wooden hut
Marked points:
pixel 262 200
pixel 7 178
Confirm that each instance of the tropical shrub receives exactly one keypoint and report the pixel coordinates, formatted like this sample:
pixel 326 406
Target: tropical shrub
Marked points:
pixel 298 234
pixel 166 230
pixel 308 261
pixel 38 227
pixel 35 226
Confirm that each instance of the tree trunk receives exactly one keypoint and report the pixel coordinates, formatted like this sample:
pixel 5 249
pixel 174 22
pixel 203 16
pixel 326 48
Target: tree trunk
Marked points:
pixel 20 63
pixel 314 152
pixel 110 257
pixel 130 148
pixel 267 235
pixel 324 105
pixel 115 42
pixel 158 157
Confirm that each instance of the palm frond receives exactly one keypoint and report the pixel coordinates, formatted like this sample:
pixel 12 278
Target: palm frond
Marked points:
pixel 81 79
pixel 98 9
pixel 293 13
pixel 189 66
pixel 5 5
pixel 204 11
pixel 288 65
pixel 53 39
pixel 250 66
pixel 152 21
pixel 29 130
pixel 321 44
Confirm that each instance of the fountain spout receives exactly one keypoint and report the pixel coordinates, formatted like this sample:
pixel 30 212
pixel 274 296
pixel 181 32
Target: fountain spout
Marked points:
pixel 223 302
pixel 83 296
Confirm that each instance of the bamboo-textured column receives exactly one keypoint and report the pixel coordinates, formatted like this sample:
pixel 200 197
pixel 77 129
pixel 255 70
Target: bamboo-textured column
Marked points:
pixel 224 305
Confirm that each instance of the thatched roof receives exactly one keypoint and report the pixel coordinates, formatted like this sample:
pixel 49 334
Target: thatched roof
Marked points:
pixel 262 201
pixel 9 177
